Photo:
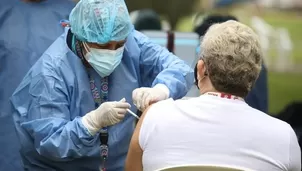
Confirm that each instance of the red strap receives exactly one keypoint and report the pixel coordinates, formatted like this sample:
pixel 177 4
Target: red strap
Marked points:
pixel 224 95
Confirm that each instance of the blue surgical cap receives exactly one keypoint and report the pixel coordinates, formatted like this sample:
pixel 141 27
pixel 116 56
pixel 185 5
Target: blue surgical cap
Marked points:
pixel 100 21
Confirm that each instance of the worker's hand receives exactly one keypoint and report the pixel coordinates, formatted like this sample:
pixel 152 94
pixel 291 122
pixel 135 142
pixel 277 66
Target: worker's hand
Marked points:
pixel 143 97
pixel 107 114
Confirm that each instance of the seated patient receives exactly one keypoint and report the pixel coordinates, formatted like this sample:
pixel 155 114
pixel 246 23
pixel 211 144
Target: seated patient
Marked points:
pixel 218 127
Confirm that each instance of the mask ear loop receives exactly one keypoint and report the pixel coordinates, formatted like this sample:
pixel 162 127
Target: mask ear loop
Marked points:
pixel 86 47
pixel 199 80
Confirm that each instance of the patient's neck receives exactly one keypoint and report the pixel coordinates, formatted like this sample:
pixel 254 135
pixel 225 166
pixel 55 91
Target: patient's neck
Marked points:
pixel 206 86
pixel 208 90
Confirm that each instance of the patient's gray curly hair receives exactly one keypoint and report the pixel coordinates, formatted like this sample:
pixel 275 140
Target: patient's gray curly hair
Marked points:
pixel 233 57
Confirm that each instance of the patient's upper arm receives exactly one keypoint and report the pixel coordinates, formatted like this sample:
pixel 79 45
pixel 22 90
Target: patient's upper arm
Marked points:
pixel 135 153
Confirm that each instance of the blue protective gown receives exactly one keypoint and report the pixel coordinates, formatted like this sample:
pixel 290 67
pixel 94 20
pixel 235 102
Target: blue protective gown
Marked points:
pixel 55 94
pixel 26 31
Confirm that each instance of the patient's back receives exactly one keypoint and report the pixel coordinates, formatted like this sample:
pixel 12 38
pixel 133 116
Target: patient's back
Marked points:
pixel 216 131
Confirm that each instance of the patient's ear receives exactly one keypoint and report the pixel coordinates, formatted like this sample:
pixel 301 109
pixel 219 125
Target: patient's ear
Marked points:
pixel 201 69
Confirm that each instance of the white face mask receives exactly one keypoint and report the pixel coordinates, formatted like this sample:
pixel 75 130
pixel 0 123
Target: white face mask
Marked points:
pixel 104 61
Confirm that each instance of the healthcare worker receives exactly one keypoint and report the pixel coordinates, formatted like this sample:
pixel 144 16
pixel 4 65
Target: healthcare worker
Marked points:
pixel 27 29
pixel 75 98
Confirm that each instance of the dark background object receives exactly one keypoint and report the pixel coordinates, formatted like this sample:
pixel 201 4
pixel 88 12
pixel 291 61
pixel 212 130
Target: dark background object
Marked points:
pixel 176 9
pixel 147 19
pixel 292 114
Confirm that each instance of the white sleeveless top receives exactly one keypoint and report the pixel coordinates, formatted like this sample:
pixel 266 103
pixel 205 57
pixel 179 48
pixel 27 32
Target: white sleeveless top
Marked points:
pixel 216 131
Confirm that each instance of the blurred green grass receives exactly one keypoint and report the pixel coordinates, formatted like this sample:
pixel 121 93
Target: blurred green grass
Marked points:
pixel 292 21
pixel 284 88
